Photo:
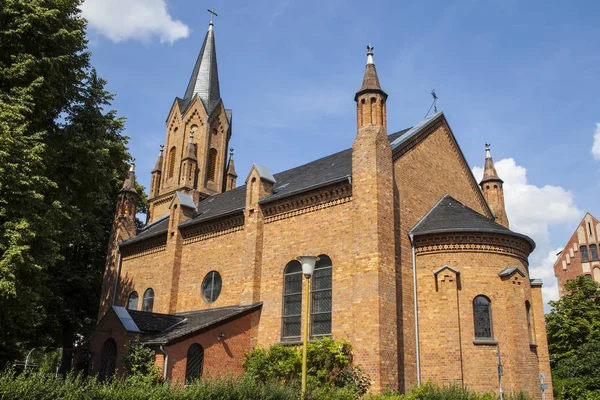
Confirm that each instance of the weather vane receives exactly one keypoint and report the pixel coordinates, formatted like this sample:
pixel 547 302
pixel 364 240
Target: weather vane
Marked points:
pixel 370 48
pixel 212 13
pixel 434 100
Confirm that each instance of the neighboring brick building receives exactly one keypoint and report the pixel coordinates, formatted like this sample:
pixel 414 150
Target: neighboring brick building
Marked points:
pixel 580 254
pixel 215 270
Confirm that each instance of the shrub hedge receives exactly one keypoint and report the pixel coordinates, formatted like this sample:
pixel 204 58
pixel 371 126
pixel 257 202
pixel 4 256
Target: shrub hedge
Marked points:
pixel 43 386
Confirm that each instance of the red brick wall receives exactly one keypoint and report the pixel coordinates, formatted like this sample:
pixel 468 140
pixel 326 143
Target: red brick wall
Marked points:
pixel 569 264
pixel 221 357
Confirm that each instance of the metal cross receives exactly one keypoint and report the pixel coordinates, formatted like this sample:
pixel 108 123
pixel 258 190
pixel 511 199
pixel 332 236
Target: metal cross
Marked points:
pixel 231 151
pixel 370 48
pixel 212 13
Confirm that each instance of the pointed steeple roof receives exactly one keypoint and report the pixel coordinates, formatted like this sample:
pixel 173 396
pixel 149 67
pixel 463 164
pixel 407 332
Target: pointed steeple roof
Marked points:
pixel 231 165
pixel 370 80
pixel 489 172
pixel 204 81
pixel 129 184
pixel 159 161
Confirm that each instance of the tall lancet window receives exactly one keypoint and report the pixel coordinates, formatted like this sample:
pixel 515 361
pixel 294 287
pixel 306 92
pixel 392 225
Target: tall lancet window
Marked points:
pixel 171 165
pixel 482 317
pixel 320 310
pixel 212 164
pixel 292 301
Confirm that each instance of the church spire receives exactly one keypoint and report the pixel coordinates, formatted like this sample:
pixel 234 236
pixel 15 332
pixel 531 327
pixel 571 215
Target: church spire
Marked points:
pixel 204 81
pixel 231 174
pixel 491 185
pixel 489 172
pixel 370 99
pixel 157 174
pixel 129 184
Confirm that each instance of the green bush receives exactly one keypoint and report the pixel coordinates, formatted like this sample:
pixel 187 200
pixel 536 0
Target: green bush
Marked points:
pixel 139 363
pixel 329 367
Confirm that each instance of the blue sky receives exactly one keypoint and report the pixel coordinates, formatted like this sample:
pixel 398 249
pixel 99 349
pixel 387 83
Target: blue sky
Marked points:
pixel 522 75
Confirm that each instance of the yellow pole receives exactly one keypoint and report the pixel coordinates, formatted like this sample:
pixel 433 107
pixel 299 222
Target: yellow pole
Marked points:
pixel 306 330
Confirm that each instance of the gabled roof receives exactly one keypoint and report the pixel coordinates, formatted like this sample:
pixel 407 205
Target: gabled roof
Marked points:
pixel 153 229
pixel 196 321
pixel 445 267
pixel 450 215
pixel 149 322
pixel 511 270
pixel 185 199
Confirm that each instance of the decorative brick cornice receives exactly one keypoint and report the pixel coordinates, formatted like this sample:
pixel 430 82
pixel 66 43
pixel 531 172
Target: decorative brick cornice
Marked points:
pixel 473 242
pixel 420 136
pixel 144 248
pixel 307 202
pixel 212 228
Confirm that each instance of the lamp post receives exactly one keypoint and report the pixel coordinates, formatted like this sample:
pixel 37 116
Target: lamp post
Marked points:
pixel 308 267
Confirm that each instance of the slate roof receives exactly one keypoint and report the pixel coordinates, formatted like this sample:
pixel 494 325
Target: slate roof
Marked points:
pixel 450 215
pixel 195 321
pixel 156 228
pixel 154 322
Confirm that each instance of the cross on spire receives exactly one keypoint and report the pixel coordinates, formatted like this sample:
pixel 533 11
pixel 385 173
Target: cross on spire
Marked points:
pixel 212 13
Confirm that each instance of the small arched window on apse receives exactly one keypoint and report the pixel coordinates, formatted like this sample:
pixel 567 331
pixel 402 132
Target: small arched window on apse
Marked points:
pixel 171 165
pixel 292 301
pixel 212 164
pixel 596 272
pixel 108 360
pixel 529 326
pixel 321 301
pixel 482 317
pixel 148 301
pixel 132 303
pixel 194 363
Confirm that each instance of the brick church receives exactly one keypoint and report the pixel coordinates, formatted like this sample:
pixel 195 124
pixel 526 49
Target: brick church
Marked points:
pixel 417 268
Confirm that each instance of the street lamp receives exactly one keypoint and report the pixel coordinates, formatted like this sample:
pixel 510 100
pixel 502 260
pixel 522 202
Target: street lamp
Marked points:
pixel 308 267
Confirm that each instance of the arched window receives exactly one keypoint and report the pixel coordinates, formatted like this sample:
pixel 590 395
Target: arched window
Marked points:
pixel 132 304
pixel 292 301
pixel 593 252
pixel 194 363
pixel 320 310
pixel 482 317
pixel 584 253
pixel 529 327
pixel 211 287
pixel 171 168
pixel 108 360
pixel 596 274
pixel 148 302
pixel 212 164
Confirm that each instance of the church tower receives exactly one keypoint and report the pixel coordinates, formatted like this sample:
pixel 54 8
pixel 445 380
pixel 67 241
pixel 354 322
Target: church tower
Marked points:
pixel 123 228
pixel 374 241
pixel 197 138
pixel 491 185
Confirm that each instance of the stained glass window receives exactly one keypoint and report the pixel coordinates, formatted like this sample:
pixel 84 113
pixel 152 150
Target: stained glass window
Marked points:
pixel 320 310
pixel 194 363
pixel 211 286
pixel 132 303
pixel 292 300
pixel 482 316
pixel 148 301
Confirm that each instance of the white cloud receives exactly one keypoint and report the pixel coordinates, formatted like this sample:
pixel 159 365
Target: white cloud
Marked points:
pixel 533 210
pixel 596 145
pixel 143 20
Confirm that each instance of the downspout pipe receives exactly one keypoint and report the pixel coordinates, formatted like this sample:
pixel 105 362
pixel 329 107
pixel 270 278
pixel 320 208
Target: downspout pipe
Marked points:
pixel 166 364
pixel 416 308
pixel 117 277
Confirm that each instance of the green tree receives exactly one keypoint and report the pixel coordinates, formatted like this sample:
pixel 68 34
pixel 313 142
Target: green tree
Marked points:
pixel 573 328
pixel 62 160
